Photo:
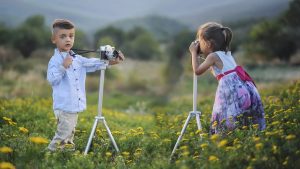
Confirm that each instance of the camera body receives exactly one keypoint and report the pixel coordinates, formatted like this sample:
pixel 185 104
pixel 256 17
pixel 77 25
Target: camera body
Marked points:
pixel 199 52
pixel 108 52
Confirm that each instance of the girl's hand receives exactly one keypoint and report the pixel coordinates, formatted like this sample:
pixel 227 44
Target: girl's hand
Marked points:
pixel 194 47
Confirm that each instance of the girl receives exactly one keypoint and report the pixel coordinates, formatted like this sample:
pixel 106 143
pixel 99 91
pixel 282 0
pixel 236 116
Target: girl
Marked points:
pixel 237 101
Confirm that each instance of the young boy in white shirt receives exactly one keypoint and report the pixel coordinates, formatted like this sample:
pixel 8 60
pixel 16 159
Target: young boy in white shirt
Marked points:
pixel 66 73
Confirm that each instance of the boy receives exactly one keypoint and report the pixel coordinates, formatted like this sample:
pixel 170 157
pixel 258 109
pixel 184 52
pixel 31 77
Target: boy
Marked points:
pixel 66 73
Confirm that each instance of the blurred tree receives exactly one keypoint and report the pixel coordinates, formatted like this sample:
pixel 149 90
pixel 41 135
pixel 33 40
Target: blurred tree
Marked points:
pixel 291 16
pixel 31 35
pixel 117 36
pixel 81 41
pixel 273 40
pixel 106 40
pixel 177 50
pixel 277 38
pixel 144 47
pixel 5 34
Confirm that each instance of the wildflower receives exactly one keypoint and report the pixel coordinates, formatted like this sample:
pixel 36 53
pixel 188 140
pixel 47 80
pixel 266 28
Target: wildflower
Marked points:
pixel 125 153
pixel 108 154
pixel 214 137
pixel 244 127
pixel 222 143
pixel 275 123
pixel 23 129
pixel 229 148
pixel 186 153
pixel 166 140
pixel 213 158
pixel 204 145
pixel 38 140
pixel 255 126
pixel 258 146
pixel 7 165
pixel 256 139
pixel 215 123
pixel 5 149
pixel 290 137
pixel 274 149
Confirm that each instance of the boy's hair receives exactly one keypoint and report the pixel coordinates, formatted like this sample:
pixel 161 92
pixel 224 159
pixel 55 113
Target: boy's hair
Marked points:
pixel 62 24
pixel 218 35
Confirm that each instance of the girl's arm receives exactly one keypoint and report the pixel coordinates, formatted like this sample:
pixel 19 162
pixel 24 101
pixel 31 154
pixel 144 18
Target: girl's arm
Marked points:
pixel 200 69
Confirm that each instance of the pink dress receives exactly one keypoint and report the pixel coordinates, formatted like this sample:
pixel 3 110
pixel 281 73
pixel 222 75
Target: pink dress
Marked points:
pixel 237 101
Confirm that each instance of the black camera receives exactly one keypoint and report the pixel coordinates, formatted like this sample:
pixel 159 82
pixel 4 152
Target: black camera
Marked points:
pixel 199 52
pixel 108 52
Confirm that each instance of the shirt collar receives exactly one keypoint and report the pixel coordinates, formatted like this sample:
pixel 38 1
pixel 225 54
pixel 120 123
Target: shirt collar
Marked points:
pixel 61 54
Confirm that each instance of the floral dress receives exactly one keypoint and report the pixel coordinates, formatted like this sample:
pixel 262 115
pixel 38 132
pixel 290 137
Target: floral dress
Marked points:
pixel 237 102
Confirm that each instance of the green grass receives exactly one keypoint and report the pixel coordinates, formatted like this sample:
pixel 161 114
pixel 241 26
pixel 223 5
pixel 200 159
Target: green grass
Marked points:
pixel 146 139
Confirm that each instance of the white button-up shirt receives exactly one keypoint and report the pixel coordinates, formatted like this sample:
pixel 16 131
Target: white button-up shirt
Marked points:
pixel 68 85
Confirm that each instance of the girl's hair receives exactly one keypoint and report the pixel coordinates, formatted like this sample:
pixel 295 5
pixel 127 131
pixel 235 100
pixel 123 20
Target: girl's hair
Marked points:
pixel 62 24
pixel 218 35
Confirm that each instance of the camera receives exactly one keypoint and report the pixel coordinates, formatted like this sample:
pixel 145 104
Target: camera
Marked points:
pixel 108 52
pixel 199 52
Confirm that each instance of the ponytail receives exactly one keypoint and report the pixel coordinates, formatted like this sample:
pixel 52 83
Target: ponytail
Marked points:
pixel 227 37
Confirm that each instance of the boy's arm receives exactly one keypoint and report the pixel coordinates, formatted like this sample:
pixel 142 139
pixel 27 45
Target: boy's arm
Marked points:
pixel 55 73
pixel 91 64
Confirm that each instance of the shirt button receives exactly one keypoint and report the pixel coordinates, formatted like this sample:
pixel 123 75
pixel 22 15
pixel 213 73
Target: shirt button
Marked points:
pixel 77 89
pixel 76 79
pixel 79 99
pixel 74 69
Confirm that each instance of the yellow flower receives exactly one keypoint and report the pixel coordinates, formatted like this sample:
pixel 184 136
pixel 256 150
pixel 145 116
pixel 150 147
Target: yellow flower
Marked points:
pixel 290 137
pixel 256 139
pixel 274 149
pixel 125 153
pixel 38 140
pixel 6 165
pixel 204 145
pixel 23 129
pixel 5 149
pixel 222 143
pixel 108 154
pixel 215 124
pixel 258 146
pixel 275 123
pixel 212 158
pixel 244 127
pixel 214 137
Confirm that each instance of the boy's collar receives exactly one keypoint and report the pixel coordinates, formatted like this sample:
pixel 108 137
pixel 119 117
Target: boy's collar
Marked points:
pixel 62 54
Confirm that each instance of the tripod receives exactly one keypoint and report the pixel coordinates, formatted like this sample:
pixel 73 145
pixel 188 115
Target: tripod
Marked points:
pixel 100 117
pixel 193 113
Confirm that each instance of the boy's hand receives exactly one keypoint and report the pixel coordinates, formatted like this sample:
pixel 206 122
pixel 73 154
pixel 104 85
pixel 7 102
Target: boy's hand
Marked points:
pixel 118 60
pixel 68 61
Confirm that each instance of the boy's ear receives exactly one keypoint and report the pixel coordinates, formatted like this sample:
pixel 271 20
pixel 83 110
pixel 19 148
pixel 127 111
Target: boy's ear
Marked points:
pixel 53 39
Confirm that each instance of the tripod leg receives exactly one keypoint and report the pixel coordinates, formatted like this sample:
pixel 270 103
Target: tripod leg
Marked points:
pixel 198 123
pixel 110 135
pixel 181 134
pixel 91 137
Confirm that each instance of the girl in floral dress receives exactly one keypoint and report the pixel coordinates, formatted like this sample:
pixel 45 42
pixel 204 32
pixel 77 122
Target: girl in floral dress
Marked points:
pixel 237 101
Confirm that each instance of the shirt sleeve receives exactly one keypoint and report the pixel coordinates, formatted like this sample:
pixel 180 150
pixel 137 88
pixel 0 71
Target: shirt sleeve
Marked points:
pixel 55 72
pixel 92 64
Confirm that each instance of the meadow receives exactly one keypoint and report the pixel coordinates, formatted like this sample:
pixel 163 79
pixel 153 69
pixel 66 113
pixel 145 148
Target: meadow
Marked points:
pixel 146 125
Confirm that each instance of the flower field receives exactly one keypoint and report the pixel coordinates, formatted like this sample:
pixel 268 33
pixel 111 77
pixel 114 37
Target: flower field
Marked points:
pixel 146 139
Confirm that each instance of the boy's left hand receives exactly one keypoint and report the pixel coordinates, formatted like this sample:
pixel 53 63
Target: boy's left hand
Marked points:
pixel 118 59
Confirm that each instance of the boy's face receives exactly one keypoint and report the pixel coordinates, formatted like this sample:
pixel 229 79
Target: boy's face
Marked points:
pixel 63 38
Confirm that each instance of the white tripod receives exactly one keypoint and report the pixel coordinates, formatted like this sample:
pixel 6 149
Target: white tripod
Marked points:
pixel 193 113
pixel 100 117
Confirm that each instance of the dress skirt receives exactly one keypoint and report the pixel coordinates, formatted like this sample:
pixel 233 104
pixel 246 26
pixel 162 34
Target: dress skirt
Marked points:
pixel 237 103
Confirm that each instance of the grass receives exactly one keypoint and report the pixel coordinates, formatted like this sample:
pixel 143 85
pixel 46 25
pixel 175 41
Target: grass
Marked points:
pixel 146 139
